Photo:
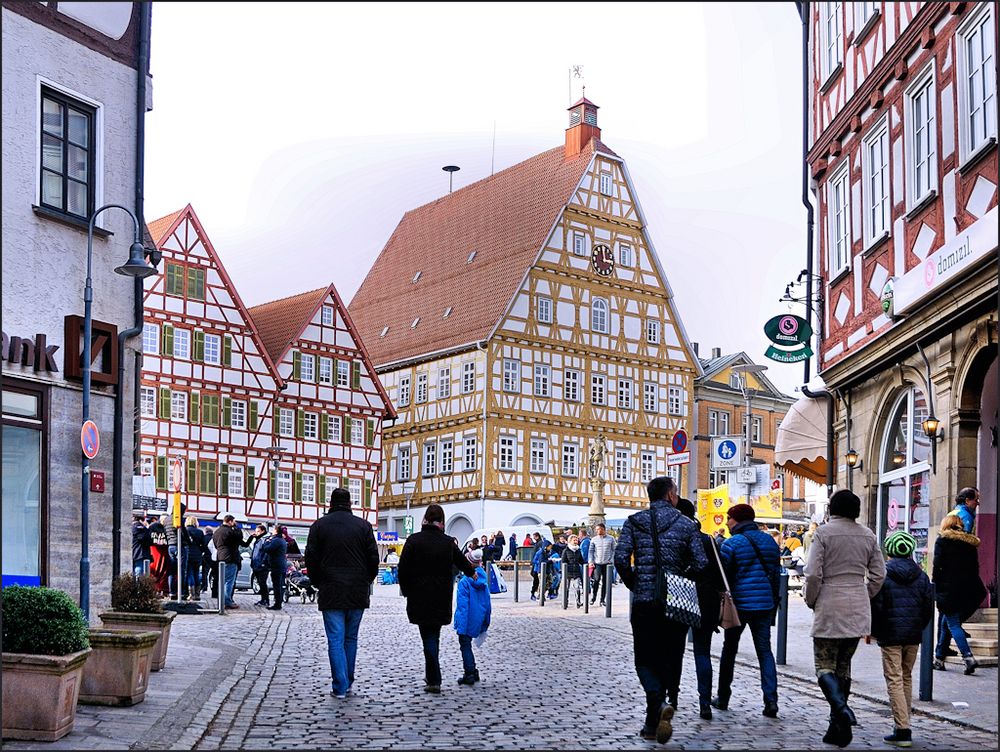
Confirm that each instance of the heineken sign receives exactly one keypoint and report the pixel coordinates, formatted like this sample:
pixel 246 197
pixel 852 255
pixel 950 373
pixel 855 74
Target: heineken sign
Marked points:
pixel 791 334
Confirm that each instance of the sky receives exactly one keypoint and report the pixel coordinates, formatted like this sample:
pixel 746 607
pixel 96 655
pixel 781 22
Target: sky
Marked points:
pixel 301 134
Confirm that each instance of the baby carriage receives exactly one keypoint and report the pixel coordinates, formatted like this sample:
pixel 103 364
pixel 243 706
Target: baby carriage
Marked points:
pixel 297 584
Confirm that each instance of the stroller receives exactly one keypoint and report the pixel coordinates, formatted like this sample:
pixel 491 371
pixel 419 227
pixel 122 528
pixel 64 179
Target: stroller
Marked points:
pixel 297 583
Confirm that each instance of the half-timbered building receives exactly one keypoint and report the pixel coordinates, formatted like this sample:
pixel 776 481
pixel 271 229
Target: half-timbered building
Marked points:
pixel 512 322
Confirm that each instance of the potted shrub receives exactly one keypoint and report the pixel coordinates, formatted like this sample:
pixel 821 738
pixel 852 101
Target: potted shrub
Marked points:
pixel 135 606
pixel 45 648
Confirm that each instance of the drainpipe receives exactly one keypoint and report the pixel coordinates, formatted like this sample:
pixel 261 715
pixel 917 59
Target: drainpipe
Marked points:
pixel 117 490
pixel 486 380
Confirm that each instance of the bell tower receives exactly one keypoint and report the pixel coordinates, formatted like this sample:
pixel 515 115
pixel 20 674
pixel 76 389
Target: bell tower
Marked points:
pixel 582 126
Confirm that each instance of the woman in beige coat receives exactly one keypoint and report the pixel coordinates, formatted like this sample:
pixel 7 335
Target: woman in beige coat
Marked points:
pixel 844 571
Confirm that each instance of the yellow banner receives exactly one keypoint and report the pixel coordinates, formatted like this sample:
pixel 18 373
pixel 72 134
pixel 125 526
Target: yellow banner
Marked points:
pixel 177 510
pixel 714 503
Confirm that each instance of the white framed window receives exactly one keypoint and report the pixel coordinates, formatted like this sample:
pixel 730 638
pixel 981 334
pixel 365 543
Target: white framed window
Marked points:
pixel 875 190
pixel 544 310
pixel 734 381
pixel 921 138
pixel 977 86
pixel 430 458
pixel 71 147
pixel 718 423
pixel 308 488
pixel 307 368
pixel 598 389
pixel 151 339
pixel 625 391
pixel 571 388
pixel 570 460
pixel 354 488
pixel 420 393
pixel 403 463
pixel 357 431
pixel 286 422
pixel 756 429
pixel 182 344
pixel 511 375
pixel 213 349
pixel 344 374
pixel 325 371
pixel 335 428
pixel 607 183
pixel 831 37
pixel 674 473
pixel 864 13
pixel 839 221
pixel 539 456
pixel 444 383
pixel 310 425
pixel 404 390
pixel 148 402
pixel 599 315
pixel 236 481
pixel 147 465
pixel 468 377
pixel 469 458
pixel 178 406
pixel 625 255
pixel 238 414
pixel 674 401
pixel 327 315
pixel 507 452
pixel 650 396
pixel 579 244
pixel 283 486
pixel 653 331
pixel 717 478
pixel 647 464
pixel 623 464
pixel 543 380
pixel 447 456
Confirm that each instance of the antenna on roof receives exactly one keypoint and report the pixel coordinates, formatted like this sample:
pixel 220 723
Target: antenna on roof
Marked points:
pixel 451 170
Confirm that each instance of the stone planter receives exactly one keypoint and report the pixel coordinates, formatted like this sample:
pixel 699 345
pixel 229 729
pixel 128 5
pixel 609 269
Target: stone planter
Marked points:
pixel 40 693
pixel 117 672
pixel 144 623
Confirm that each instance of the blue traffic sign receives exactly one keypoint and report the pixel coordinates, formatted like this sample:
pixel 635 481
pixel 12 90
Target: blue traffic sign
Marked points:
pixel 726 449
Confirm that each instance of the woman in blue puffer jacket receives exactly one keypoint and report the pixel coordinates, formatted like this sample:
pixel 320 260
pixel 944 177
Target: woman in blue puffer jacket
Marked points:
pixel 752 562
pixel 472 616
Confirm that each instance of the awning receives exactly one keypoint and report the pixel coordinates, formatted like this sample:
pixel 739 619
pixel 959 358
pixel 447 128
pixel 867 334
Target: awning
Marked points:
pixel 801 444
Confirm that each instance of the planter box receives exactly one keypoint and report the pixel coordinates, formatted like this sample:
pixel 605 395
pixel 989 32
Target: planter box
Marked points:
pixel 117 672
pixel 40 693
pixel 144 623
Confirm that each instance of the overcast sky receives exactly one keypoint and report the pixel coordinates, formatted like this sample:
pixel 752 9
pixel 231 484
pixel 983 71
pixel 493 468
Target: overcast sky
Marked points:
pixel 301 133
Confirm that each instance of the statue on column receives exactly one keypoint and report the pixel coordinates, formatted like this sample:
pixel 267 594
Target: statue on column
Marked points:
pixel 597 458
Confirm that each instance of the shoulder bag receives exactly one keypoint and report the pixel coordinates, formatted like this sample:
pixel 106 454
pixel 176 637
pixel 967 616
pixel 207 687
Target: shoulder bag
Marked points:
pixel 729 616
pixel 678 594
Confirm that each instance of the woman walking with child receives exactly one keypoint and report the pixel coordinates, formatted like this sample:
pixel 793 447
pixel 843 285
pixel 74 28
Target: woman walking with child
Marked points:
pixel 472 617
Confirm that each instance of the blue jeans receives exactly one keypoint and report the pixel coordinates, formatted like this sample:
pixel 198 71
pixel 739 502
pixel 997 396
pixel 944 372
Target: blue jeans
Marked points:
pixel 140 567
pixel 431 637
pixel 231 570
pixel 760 629
pixel 702 649
pixel 341 627
pixel 468 657
pixel 192 576
pixel 949 625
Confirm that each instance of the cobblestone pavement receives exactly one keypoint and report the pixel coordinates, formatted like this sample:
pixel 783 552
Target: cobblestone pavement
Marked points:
pixel 551 679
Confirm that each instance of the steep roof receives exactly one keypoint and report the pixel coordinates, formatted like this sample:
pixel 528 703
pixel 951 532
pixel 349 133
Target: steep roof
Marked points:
pixel 158 228
pixel 280 321
pixel 713 366
pixel 505 219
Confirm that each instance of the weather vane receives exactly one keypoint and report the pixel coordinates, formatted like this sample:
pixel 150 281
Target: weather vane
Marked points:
pixel 575 71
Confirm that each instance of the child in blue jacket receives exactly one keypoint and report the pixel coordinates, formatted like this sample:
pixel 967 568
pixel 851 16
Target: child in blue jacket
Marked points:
pixel 472 616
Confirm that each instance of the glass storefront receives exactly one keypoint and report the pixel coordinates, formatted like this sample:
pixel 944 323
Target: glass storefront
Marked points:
pixel 23 488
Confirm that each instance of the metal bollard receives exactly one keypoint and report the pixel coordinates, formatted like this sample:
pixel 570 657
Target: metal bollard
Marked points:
pixel 608 574
pixel 516 583
pixel 927 661
pixel 565 585
pixel 542 571
pixel 782 646
pixel 220 581
pixel 145 566
pixel 586 589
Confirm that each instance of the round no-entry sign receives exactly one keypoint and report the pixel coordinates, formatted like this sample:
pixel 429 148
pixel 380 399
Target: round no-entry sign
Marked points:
pixel 177 475
pixel 90 439
pixel 680 441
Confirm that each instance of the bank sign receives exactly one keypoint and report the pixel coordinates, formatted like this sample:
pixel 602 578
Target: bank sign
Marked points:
pixel 951 261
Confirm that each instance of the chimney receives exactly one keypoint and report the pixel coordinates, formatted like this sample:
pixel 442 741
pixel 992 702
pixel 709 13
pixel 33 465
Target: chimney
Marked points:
pixel 694 346
pixel 716 352
pixel 582 126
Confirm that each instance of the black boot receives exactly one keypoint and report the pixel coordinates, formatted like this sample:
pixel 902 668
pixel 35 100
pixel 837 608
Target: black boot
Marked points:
pixel 705 710
pixel 721 701
pixel 841 717
pixel 847 698
pixel 468 679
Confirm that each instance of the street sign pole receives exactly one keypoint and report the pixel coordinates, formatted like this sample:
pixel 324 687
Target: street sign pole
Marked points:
pixel 178 523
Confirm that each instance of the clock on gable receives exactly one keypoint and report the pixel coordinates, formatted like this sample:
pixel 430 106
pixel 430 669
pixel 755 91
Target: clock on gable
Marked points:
pixel 603 260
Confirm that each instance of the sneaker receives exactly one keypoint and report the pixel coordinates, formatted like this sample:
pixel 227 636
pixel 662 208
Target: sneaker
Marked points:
pixel 468 680
pixel 434 689
pixel 970 665
pixel 938 665
pixel 899 738
pixel 338 697
pixel 720 703
pixel 770 709
pixel 665 729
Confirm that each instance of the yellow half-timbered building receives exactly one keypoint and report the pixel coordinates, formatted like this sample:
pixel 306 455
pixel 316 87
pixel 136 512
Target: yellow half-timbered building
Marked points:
pixel 512 322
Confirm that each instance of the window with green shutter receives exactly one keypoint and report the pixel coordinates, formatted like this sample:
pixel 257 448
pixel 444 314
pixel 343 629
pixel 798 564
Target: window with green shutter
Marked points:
pixel 210 409
pixel 324 427
pixel 196 283
pixel 272 486
pixel 368 492
pixel 167 340
pixel 253 415
pixel 192 476
pixel 345 482
pixel 356 374
pixel 195 413
pixel 276 421
pixel 250 491
pixel 199 346
pixel 208 481
pixel 164 403
pixel 370 433
pixel 321 493
pixel 347 431
pixel 175 279
pixel 296 365
pixel 227 412
pixel 298 487
pixel 224 479
pixel 227 351
pixel 300 423
pixel 161 473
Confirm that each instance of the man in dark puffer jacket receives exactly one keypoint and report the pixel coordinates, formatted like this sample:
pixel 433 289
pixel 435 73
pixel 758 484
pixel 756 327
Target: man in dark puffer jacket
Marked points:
pixel 658 642
pixel 751 558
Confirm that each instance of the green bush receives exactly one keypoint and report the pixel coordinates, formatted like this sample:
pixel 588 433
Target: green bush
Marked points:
pixel 41 621
pixel 135 594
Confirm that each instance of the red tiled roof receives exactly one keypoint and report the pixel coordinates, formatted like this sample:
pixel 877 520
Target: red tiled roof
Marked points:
pixel 280 321
pixel 504 218
pixel 158 227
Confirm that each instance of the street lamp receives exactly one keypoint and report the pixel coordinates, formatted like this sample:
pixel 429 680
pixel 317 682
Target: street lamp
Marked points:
pixel 852 458
pixel 274 453
pixel 744 370
pixel 136 266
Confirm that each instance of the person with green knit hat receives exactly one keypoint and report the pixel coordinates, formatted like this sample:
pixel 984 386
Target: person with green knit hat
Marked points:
pixel 900 612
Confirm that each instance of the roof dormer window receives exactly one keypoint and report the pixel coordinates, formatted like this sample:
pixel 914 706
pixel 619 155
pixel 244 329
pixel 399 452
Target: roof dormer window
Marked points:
pixel 385 331
pixel 417 276
pixel 447 312
pixel 415 322
pixel 471 257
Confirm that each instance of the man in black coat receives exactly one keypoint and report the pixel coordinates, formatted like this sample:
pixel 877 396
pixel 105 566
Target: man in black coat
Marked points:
pixel 425 578
pixel 342 560
pixel 228 538
pixel 142 539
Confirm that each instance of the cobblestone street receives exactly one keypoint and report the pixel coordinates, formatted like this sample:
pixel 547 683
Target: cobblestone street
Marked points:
pixel 550 679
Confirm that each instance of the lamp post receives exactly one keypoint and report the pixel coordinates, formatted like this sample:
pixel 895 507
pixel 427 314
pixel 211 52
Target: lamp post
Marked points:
pixel 748 393
pixel 274 453
pixel 136 266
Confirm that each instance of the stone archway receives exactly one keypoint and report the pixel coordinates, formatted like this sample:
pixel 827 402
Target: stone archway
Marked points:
pixel 460 527
pixel 526 519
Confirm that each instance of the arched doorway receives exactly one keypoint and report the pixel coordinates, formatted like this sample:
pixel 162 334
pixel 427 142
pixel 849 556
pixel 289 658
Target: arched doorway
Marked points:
pixel 460 527
pixel 904 471
pixel 526 519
